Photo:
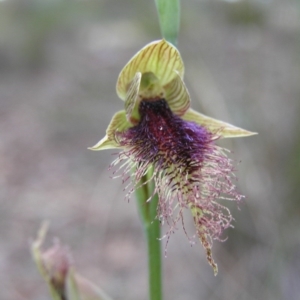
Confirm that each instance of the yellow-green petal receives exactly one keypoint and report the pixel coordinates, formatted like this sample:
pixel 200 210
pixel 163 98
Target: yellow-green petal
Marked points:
pixel 159 57
pixel 132 101
pixel 118 123
pixel 177 96
pixel 223 129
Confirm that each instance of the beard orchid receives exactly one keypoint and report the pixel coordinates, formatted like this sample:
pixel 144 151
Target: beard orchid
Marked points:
pixel 159 131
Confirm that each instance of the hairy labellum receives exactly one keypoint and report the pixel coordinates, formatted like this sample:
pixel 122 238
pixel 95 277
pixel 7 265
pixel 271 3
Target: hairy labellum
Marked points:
pixel 189 169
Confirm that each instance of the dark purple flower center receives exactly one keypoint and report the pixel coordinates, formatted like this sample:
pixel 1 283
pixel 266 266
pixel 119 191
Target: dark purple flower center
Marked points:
pixel 189 170
pixel 163 138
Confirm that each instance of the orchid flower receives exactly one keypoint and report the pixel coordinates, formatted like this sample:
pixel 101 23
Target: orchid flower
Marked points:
pixel 158 130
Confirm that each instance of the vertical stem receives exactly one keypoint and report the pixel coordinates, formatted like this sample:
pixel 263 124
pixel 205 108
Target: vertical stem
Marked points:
pixel 154 253
pixel 152 230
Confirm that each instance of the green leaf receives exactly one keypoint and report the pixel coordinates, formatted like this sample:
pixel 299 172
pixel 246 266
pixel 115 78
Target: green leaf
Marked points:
pixel 82 289
pixel 71 287
pixel 169 19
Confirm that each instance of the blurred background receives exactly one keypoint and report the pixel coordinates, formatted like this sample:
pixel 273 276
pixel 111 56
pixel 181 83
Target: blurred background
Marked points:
pixel 59 62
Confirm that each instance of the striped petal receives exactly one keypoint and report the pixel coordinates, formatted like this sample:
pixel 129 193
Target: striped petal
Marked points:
pixel 132 101
pixel 223 129
pixel 159 58
pixel 177 96
pixel 118 123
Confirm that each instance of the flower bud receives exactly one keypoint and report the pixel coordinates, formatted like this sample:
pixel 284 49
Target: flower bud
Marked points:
pixel 56 267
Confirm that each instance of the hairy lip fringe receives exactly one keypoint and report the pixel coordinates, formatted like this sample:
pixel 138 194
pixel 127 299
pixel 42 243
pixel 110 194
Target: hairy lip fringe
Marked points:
pixel 190 171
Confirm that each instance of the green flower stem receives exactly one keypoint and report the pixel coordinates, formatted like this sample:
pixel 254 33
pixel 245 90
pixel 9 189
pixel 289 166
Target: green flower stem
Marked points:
pixel 154 254
pixel 169 19
pixel 152 229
